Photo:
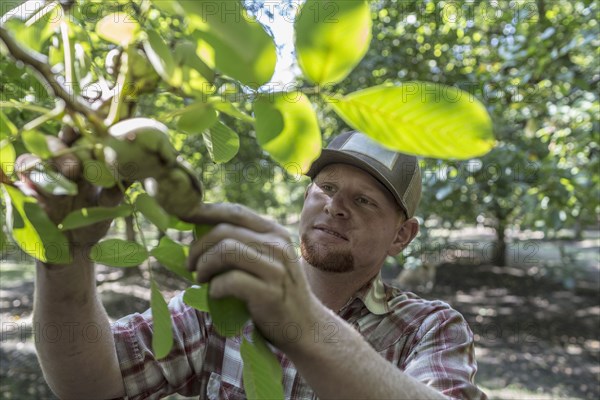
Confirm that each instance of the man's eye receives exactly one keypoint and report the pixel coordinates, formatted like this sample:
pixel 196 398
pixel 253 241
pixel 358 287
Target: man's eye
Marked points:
pixel 364 200
pixel 326 188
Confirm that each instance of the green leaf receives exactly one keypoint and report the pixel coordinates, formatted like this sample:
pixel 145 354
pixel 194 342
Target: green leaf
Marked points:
pixel 230 109
pixel 201 230
pixel 150 208
pixel 185 54
pixel 261 371
pixel 331 38
pixel 196 117
pixel 7 157
pixel 197 297
pixel 36 143
pixel 168 6
pixel 421 118
pixel 89 216
pixel 162 337
pixel 179 225
pixel 52 182
pixel 118 253
pixel 287 127
pixel 97 173
pixel 229 315
pixel 173 256
pixel 32 33
pixel 118 28
pixel 33 231
pixel 7 128
pixel 3 238
pixel 161 59
pixel 242 48
pixel 222 142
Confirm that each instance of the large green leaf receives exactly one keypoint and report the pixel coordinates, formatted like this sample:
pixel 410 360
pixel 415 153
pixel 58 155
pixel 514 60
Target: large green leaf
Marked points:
pixel 196 117
pixel 118 28
pixel 36 143
pixel 331 38
pixel 3 238
pixel 7 128
pixel 52 182
pixel 150 208
pixel 91 215
pixel 421 118
pixel 173 256
pixel 7 156
pixel 262 372
pixel 34 32
pixel 118 253
pixel 197 297
pixel 287 127
pixel 222 142
pixel 186 54
pixel 230 109
pixel 33 231
pixel 242 48
pixel 162 337
pixel 196 76
pixel 161 58
pixel 229 315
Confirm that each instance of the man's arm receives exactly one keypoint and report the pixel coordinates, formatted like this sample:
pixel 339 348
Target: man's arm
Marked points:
pixel 249 258
pixel 73 338
pixel 346 366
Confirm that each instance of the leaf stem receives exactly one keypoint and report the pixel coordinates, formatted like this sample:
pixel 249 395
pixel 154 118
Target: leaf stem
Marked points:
pixel 57 112
pixel 24 106
pixel 39 63
pixel 114 113
pixel 69 76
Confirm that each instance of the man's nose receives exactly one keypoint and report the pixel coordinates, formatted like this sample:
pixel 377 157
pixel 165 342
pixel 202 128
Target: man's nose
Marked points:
pixel 336 206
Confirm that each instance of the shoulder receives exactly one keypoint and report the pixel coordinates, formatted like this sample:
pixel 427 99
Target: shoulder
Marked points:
pixel 418 314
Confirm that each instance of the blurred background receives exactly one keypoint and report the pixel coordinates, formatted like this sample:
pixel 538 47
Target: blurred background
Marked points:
pixel 510 239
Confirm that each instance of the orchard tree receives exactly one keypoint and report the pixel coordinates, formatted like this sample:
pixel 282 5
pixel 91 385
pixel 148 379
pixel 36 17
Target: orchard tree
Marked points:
pixel 104 97
pixel 535 65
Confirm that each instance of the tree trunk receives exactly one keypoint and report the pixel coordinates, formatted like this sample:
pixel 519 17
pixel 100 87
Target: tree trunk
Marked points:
pixel 499 257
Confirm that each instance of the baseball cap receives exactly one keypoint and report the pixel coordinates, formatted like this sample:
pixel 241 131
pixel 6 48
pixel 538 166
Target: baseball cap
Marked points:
pixel 398 172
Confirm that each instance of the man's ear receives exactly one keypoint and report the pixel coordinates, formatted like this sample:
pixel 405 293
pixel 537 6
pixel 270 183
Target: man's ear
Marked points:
pixel 405 233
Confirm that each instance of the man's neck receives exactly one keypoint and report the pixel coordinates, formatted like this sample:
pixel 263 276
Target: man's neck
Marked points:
pixel 335 289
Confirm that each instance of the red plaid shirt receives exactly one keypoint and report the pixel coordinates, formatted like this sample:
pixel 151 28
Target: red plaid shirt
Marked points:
pixel 427 340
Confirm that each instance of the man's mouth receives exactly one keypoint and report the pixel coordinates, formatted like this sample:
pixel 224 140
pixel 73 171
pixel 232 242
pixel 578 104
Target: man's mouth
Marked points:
pixel 330 231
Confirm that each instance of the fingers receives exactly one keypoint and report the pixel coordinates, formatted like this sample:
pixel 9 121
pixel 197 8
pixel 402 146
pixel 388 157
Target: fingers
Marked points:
pixel 268 242
pixel 235 214
pixel 244 286
pixel 231 254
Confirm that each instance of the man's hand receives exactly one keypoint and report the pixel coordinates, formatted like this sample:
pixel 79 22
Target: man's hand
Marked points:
pixel 65 295
pixel 58 207
pixel 254 260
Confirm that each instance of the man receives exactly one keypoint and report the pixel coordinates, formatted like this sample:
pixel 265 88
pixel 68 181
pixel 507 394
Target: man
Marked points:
pixel 351 336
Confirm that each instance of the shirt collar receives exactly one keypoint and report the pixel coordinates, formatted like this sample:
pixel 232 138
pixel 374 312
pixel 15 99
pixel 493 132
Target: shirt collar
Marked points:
pixel 373 296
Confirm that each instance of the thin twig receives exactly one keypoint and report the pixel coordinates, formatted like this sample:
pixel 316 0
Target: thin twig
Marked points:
pixel 39 63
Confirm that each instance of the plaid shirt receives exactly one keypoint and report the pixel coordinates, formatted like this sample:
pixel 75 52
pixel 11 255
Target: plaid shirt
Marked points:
pixel 426 339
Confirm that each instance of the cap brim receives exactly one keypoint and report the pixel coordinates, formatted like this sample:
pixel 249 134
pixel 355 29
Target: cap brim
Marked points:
pixel 330 156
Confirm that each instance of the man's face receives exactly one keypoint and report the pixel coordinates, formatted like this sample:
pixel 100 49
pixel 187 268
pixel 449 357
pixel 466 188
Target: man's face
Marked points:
pixel 349 221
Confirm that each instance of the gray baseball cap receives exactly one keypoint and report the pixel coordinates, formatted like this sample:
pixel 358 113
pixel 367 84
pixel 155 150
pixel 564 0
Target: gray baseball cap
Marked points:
pixel 398 172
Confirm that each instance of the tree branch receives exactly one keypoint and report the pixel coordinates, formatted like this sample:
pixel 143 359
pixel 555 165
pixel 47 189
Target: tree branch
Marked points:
pixel 39 63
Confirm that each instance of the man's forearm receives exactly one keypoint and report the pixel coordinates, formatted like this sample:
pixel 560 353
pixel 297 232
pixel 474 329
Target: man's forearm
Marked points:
pixel 345 366
pixel 74 342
